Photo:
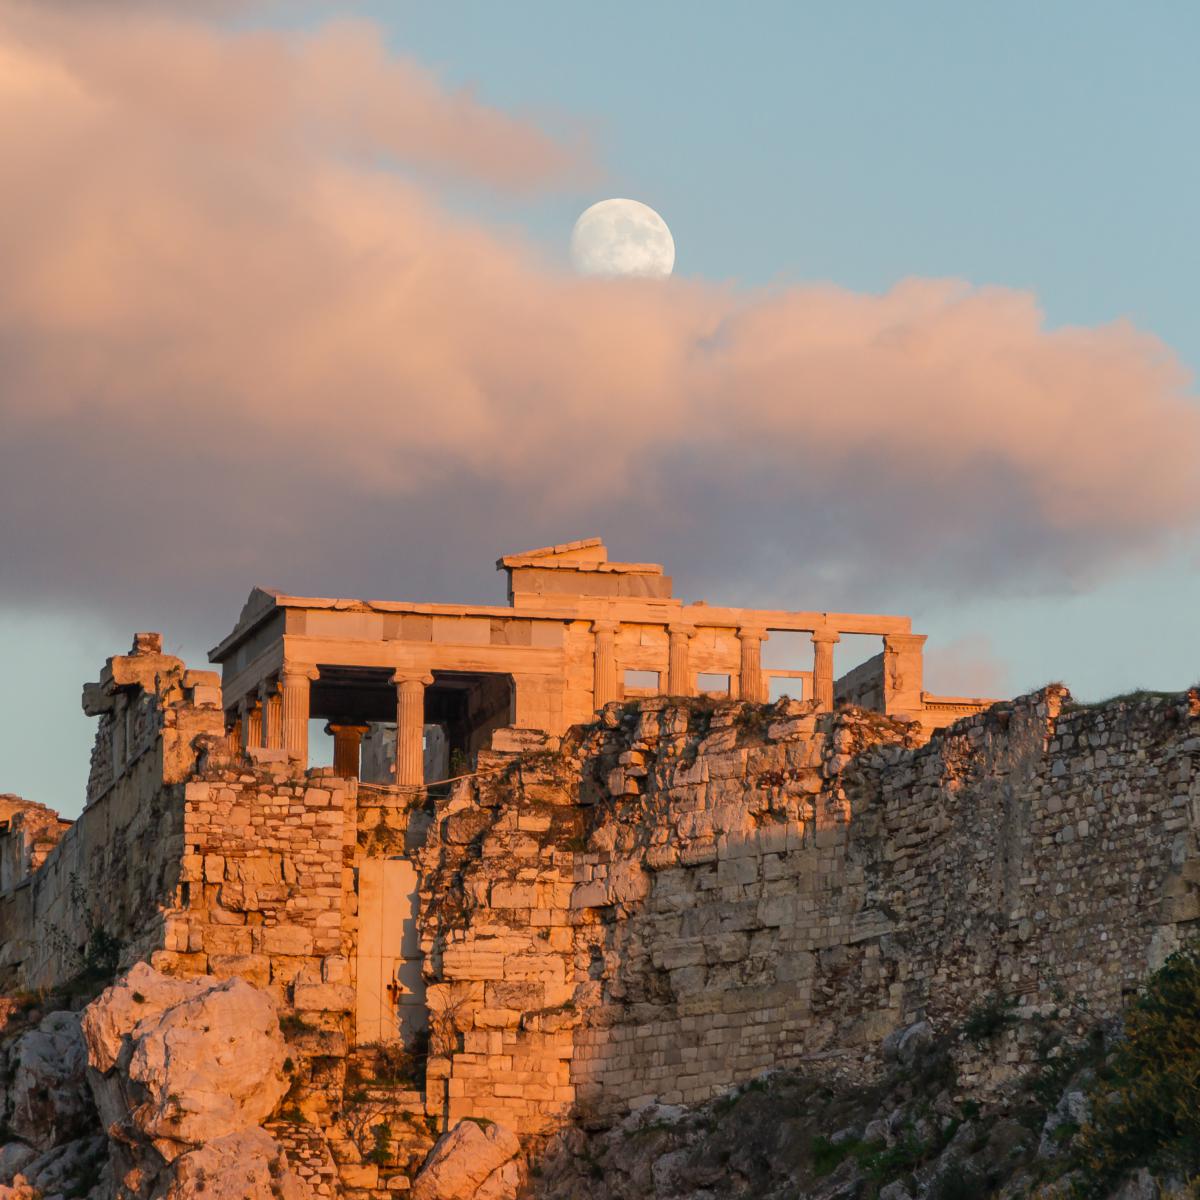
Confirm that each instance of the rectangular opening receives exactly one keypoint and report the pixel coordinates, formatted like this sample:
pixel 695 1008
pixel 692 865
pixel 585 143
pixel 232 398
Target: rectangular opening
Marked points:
pixel 858 671
pixel 642 683
pixel 708 684
pixel 779 686
pixel 787 650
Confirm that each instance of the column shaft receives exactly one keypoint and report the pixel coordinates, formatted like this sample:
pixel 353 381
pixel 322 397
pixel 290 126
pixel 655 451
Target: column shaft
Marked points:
pixel 751 683
pixel 254 725
pixel 296 683
pixel 823 643
pixel 679 672
pixel 272 706
pixel 347 749
pixel 604 678
pixel 410 728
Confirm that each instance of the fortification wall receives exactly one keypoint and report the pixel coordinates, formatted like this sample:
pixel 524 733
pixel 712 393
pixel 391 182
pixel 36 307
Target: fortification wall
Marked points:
pixel 753 887
pixel 114 872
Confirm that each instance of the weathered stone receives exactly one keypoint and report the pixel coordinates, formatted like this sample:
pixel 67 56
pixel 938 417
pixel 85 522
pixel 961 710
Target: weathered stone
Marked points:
pixel 471 1160
pixel 193 1061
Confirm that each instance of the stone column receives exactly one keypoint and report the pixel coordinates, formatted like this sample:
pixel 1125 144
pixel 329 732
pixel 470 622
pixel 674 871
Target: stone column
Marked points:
pixel 823 641
pixel 903 674
pixel 752 684
pixel 604 678
pixel 253 724
pixel 410 727
pixel 272 707
pixel 296 682
pixel 679 671
pixel 347 748
pixel 236 738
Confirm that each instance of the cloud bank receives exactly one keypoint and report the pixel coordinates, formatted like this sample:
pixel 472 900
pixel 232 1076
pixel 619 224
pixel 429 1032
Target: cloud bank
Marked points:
pixel 242 341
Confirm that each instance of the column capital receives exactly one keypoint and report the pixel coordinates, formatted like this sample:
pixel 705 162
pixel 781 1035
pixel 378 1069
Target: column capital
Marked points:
pixel 605 625
pixel 905 641
pixel 752 633
pixel 295 670
pixel 828 636
pixel 680 630
pixel 268 686
pixel 402 676
pixel 332 727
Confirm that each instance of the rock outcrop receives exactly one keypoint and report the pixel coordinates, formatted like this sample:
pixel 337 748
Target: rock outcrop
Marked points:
pixel 181 1063
pixel 475 1159
pixel 184 1072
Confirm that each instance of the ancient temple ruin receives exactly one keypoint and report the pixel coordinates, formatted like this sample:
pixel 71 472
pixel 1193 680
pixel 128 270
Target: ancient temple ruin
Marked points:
pixel 578 632
pixel 588 850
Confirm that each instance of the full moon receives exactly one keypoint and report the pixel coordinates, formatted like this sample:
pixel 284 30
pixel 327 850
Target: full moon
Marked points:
pixel 622 237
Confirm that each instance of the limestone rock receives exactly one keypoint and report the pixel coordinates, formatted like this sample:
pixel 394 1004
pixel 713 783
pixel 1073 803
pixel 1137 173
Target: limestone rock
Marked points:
pixel 49 1092
pixel 20 1189
pixel 471 1160
pixel 68 1167
pixel 14 1157
pixel 248 1165
pixel 905 1045
pixel 182 1063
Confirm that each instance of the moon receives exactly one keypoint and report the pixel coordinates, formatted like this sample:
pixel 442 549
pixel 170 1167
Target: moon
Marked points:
pixel 622 237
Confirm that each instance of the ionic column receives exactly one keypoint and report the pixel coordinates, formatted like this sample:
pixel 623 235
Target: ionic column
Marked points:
pixel 295 679
pixel 410 727
pixel 235 736
pixel 903 674
pixel 272 707
pixel 679 671
pixel 823 641
pixel 252 723
pixel 752 684
pixel 604 677
pixel 347 748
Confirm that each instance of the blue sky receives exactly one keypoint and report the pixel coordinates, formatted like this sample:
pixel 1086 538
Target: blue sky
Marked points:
pixel 1043 147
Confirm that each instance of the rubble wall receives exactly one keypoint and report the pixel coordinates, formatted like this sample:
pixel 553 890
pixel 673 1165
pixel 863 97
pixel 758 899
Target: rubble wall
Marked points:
pixel 754 887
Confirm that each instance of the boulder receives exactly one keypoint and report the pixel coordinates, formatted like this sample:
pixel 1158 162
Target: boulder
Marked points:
pixel 472 1159
pixel 905 1045
pixel 13 1158
pixel 70 1167
pixel 181 1063
pixel 49 1093
pixel 249 1165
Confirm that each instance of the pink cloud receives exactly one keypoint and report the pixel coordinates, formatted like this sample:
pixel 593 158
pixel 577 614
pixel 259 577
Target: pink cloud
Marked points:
pixel 966 666
pixel 235 349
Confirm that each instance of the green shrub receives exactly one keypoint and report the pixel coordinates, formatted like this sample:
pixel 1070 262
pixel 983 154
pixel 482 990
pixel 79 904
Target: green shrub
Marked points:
pixel 1146 1106
pixel 990 1018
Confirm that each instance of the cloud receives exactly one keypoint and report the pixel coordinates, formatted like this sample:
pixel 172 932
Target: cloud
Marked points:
pixel 237 347
pixel 966 666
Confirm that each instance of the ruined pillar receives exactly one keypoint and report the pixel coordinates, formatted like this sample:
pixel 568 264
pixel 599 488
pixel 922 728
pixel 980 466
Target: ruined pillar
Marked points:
pixel 679 671
pixel 235 736
pixel 272 708
pixel 823 641
pixel 752 684
pixel 410 727
pixel 347 748
pixel 903 674
pixel 295 679
pixel 604 678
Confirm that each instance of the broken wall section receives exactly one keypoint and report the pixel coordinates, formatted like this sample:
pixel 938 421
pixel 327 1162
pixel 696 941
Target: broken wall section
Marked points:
pixel 760 885
pixel 104 887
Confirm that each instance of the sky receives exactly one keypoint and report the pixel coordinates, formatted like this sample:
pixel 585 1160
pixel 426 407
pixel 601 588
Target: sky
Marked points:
pixel 285 300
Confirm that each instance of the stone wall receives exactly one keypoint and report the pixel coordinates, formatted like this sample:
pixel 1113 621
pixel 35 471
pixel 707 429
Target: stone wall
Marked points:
pixel 756 886
pixel 113 873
